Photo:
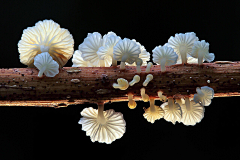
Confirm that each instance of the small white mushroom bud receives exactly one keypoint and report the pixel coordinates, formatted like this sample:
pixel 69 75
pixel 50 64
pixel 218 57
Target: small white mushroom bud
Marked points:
pixel 122 84
pixel 136 79
pixel 131 104
pixel 149 65
pixel 145 97
pixel 162 97
pixel 148 79
pixel 138 62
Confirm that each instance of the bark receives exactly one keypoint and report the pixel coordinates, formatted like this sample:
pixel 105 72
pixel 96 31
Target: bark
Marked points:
pixel 78 85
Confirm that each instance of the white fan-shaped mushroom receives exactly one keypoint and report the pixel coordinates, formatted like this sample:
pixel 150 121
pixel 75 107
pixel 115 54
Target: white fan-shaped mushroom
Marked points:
pixel 106 50
pixel 173 111
pixel 182 44
pixel 45 63
pixel 102 126
pixel 161 96
pixel 126 50
pixel 190 60
pixel 153 112
pixel 89 49
pixel 200 51
pixel 192 112
pixel 131 103
pixel 122 84
pixel 204 95
pixel 145 97
pixel 78 60
pixel 45 36
pixel 165 56
pixel 136 79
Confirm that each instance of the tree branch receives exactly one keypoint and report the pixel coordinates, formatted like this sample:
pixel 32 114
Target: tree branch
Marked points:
pixel 78 85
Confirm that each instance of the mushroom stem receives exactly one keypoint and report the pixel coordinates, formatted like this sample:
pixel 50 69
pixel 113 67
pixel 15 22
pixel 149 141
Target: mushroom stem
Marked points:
pixel 102 63
pixel 183 54
pixel 138 69
pixel 200 57
pixel 162 63
pixel 40 73
pixel 152 108
pixel 100 117
pixel 170 102
pixel 122 65
pixel 187 103
pixel 149 65
pixel 114 62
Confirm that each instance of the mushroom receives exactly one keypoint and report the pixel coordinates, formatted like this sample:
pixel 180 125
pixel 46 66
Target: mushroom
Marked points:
pixel 192 112
pixel 122 84
pixel 200 51
pixel 126 50
pixel 162 97
pixel 153 112
pixel 145 97
pixel 45 36
pixel 78 60
pixel 136 79
pixel 172 111
pixel 148 79
pixel 89 49
pixel 203 96
pixel 45 63
pixel 107 49
pixel 182 44
pixel 131 104
pixel 149 65
pixel 165 56
pixel 102 126
pixel 139 62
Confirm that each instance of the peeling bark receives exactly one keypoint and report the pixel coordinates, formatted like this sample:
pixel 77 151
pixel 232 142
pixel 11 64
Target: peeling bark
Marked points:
pixel 78 85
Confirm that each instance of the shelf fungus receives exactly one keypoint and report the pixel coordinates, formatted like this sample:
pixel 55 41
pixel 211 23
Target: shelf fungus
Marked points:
pixel 45 63
pixel 172 110
pixel 204 95
pixel 122 84
pixel 126 50
pixel 148 79
pixel 135 80
pixel 192 112
pixel 46 36
pixel 131 103
pixel 145 97
pixel 102 126
pixel 161 96
pixel 153 112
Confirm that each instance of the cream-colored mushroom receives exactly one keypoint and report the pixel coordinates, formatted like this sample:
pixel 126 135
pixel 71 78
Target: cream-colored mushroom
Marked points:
pixel 148 79
pixel 162 97
pixel 145 97
pixel 131 103
pixel 136 79
pixel 122 84
pixel 149 65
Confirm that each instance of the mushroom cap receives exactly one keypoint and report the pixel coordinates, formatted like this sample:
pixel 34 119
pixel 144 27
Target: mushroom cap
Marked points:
pixel 161 96
pixel 46 36
pixel 126 47
pixel 172 114
pixel 78 60
pixel 166 52
pixel 192 116
pixel 132 104
pixel 190 60
pixel 182 40
pixel 44 59
pixel 204 96
pixel 113 129
pixel 89 49
pixel 152 116
pixel 136 79
pixel 144 55
pixel 123 83
pixel 203 47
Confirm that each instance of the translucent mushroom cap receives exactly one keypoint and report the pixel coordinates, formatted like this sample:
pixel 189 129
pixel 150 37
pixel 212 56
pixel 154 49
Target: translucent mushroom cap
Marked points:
pixel 126 50
pixel 204 95
pixel 46 36
pixel 78 60
pixel 113 129
pixel 45 63
pixel 201 49
pixel 122 84
pixel 182 43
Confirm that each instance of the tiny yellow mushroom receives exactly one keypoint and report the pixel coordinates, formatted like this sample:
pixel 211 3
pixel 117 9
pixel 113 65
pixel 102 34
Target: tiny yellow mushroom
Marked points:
pixel 136 79
pixel 162 97
pixel 148 79
pixel 149 65
pixel 131 104
pixel 145 97
pixel 122 84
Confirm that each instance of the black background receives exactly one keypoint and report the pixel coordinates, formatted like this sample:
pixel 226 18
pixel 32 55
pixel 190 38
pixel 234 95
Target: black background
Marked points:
pixel 48 133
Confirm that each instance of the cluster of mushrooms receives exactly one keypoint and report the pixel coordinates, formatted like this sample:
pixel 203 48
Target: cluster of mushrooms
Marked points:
pixel 48 47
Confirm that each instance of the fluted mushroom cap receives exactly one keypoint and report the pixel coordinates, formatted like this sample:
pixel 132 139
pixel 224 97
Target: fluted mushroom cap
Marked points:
pixel 126 48
pixel 46 36
pixel 151 116
pixel 204 96
pixel 78 60
pixel 113 129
